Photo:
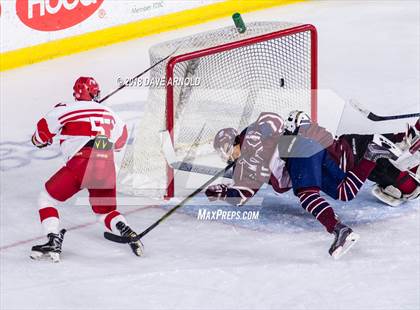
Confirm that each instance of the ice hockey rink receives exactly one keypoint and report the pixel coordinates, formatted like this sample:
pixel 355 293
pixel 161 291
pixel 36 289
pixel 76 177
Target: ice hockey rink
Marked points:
pixel 368 50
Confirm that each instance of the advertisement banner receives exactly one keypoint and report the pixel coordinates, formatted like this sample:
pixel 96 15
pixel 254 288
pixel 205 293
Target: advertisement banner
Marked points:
pixel 26 23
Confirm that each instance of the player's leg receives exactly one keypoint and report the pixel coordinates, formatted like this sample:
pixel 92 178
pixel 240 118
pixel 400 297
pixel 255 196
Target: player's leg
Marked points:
pixel 310 175
pixel 307 175
pixel 351 184
pixel 312 202
pixel 359 142
pixel 307 181
pixel 393 186
pixel 373 151
pixel 60 187
pixel 48 213
pixel 104 205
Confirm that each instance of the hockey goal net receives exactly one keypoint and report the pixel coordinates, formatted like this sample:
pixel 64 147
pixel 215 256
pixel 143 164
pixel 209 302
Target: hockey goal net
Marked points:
pixel 214 80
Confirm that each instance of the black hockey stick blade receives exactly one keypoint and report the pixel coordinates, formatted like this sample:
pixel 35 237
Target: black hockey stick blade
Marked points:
pixel 115 238
pixel 378 118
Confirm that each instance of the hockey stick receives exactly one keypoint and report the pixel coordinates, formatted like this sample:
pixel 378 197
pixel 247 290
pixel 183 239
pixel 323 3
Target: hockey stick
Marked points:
pixel 377 118
pixel 121 239
pixel 136 77
pixel 200 169
pixel 170 156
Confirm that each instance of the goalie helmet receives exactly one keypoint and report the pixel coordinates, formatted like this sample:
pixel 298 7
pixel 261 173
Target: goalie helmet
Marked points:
pixel 224 141
pixel 86 89
pixel 295 120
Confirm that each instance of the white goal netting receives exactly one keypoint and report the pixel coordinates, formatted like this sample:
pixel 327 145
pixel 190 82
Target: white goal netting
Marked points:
pixel 226 80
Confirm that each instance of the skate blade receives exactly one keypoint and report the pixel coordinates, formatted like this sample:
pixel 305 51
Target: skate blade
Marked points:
pixel 350 241
pixel 139 251
pixel 53 257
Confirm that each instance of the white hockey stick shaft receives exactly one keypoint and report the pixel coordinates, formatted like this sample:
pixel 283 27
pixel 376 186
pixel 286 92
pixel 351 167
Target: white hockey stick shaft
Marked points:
pixel 170 156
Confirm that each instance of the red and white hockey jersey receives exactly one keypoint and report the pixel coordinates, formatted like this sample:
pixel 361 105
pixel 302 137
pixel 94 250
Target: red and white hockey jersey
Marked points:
pixel 78 122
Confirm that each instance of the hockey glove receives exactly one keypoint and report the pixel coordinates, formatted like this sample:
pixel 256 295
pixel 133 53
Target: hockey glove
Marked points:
pixel 40 145
pixel 217 192
pixel 236 196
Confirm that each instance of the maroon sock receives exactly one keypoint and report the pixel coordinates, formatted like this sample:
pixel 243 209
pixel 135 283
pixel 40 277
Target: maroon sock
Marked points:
pixel 328 219
pixel 312 202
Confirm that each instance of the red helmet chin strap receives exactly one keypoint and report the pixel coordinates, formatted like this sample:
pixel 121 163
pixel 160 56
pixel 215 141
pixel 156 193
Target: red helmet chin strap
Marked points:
pixel 97 97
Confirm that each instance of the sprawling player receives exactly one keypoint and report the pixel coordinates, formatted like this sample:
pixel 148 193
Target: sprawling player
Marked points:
pixel 89 133
pixel 313 161
pixel 348 151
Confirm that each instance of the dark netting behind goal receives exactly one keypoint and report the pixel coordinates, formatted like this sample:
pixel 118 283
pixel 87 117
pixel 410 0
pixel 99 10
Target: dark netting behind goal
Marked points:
pixel 214 80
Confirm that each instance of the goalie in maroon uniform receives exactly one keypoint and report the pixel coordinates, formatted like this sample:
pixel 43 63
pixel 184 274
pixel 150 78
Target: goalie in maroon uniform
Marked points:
pixel 308 159
pixel 89 134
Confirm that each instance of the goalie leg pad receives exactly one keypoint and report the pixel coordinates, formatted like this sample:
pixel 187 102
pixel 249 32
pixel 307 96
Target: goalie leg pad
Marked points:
pixel 389 195
pixel 414 195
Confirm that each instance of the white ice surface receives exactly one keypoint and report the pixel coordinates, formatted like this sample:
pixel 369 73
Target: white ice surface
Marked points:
pixel 369 50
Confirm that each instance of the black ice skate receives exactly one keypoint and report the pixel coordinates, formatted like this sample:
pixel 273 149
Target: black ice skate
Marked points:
pixel 126 231
pixel 50 250
pixel 381 147
pixel 344 239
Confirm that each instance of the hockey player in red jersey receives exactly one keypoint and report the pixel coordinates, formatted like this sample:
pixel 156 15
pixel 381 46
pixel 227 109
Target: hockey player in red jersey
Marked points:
pixel 89 133
pixel 313 161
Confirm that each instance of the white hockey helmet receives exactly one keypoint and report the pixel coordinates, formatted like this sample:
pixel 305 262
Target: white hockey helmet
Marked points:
pixel 295 120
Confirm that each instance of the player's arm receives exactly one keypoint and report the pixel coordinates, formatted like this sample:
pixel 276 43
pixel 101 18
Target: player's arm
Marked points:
pixel 247 182
pixel 121 134
pixel 269 124
pixel 47 127
pixel 249 172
